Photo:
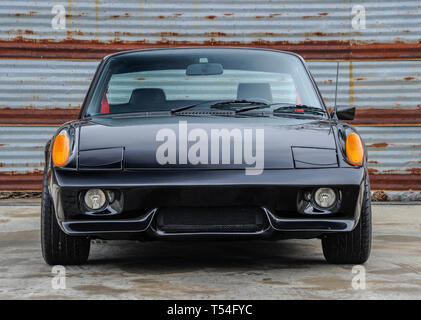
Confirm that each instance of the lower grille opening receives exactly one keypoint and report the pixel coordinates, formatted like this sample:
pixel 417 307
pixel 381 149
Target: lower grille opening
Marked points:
pixel 216 219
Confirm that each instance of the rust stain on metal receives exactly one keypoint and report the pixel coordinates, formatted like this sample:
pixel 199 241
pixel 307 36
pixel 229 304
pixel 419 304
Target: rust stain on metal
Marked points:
pixel 387 117
pixel 69 13
pixel 216 34
pixel 410 78
pixel 168 34
pixel 74 33
pixel 116 16
pixel 211 17
pixel 141 9
pixel 56 116
pixel 31 180
pixel 96 17
pixel 71 48
pixel 228 14
pixel 317 34
pixel 29 14
pixel 78 15
pixel 414 171
pixel 351 84
pixel 395 181
pixel 319 15
pixel 32 116
pixel 378 145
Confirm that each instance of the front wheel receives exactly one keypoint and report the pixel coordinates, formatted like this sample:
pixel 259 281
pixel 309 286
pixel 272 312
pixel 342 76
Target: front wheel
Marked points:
pixel 59 248
pixel 352 247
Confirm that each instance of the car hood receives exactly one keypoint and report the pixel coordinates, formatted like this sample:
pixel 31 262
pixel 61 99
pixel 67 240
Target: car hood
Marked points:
pixel 151 142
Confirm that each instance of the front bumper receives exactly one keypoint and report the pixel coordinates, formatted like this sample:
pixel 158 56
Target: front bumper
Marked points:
pixel 274 192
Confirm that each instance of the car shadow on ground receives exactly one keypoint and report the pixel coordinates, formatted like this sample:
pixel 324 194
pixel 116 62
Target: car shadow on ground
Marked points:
pixel 187 256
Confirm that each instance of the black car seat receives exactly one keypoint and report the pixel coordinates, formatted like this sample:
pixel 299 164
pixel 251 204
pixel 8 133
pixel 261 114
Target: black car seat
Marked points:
pixel 145 99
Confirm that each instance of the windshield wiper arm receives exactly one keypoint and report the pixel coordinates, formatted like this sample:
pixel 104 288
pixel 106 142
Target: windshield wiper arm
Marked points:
pixel 252 108
pixel 221 103
pixel 179 109
pixel 229 102
pixel 296 108
pixel 299 108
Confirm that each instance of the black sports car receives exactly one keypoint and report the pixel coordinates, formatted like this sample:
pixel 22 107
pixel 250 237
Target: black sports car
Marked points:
pixel 196 143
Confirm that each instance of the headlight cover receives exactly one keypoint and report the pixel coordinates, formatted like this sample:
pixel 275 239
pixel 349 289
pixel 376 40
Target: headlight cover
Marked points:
pixel 61 149
pixel 354 149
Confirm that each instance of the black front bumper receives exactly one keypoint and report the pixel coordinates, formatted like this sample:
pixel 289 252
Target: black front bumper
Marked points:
pixel 144 224
pixel 146 193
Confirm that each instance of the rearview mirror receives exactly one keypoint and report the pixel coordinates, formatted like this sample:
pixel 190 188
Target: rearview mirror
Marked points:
pixel 343 113
pixel 204 69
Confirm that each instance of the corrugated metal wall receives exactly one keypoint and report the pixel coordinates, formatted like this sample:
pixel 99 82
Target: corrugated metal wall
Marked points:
pixel 44 73
pixel 97 26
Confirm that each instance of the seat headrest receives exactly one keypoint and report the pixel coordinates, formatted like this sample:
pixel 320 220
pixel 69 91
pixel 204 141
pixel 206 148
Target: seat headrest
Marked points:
pixel 254 91
pixel 147 96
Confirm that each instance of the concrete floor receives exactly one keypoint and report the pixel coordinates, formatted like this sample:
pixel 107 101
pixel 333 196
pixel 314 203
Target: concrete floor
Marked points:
pixel 293 269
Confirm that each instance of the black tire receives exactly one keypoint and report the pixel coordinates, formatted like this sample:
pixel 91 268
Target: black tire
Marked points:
pixel 352 247
pixel 59 248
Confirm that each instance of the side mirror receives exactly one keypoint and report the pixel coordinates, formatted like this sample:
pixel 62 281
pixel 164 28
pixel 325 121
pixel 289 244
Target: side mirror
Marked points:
pixel 343 113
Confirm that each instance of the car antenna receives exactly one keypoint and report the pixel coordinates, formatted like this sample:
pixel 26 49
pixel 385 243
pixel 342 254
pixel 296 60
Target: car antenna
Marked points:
pixel 336 87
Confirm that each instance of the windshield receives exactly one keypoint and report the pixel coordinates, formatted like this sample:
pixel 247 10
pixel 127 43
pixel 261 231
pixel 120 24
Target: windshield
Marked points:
pixel 164 80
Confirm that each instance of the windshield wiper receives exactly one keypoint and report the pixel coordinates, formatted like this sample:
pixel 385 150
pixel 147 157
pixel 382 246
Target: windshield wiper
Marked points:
pixel 219 103
pixel 253 105
pixel 296 108
pixel 230 102
pixel 299 108
pixel 182 108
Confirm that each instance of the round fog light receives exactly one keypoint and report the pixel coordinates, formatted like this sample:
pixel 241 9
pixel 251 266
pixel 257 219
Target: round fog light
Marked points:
pixel 325 197
pixel 95 199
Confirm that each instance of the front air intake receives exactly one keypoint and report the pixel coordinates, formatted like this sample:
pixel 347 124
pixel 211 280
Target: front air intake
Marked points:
pixel 213 220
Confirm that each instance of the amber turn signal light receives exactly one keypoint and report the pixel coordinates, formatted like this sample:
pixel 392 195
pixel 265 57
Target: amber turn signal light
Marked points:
pixel 354 149
pixel 61 149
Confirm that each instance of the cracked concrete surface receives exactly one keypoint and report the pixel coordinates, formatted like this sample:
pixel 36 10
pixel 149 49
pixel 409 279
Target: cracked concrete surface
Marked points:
pixel 292 269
